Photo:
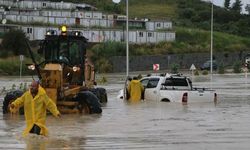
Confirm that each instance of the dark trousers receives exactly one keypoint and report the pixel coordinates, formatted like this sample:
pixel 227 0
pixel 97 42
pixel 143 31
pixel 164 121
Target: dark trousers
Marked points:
pixel 35 129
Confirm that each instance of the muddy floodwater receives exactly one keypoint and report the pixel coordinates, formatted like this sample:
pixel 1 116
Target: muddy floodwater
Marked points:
pixel 146 125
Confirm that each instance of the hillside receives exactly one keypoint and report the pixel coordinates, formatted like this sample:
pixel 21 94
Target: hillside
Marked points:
pixel 153 9
pixel 191 21
pixel 184 13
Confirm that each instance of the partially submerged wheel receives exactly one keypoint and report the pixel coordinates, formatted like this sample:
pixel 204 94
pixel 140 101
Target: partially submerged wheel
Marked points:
pixel 9 98
pixel 88 103
pixel 101 94
pixel 83 108
pixel 165 100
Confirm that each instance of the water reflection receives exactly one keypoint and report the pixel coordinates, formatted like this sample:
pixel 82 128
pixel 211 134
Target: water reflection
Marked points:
pixel 185 107
pixel 36 142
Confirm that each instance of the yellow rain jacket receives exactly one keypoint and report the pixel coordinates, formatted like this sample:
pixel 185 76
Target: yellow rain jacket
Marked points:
pixel 35 109
pixel 135 90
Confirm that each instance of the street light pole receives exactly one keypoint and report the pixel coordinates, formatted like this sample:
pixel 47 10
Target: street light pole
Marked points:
pixel 211 53
pixel 127 50
pixel 127 37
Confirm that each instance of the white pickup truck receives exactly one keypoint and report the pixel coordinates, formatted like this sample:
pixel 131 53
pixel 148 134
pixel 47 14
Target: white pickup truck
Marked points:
pixel 174 88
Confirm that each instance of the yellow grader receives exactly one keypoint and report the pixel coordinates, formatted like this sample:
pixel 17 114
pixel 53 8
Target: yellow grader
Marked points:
pixel 65 73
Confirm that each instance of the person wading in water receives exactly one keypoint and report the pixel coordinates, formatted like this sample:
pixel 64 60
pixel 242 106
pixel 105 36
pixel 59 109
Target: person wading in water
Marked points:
pixel 35 102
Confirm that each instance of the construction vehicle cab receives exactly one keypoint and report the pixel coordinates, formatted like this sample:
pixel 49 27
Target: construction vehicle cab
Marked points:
pixel 66 73
pixel 66 51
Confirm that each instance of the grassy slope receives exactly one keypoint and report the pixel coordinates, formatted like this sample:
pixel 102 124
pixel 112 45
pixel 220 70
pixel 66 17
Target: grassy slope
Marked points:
pixel 196 40
pixel 187 40
pixel 153 9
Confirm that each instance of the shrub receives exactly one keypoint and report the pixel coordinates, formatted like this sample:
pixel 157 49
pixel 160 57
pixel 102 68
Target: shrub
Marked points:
pixel 221 69
pixel 204 72
pixel 11 66
pixel 14 41
pixel 175 68
pixel 103 65
pixel 139 76
pixel 237 67
pixel 196 73
pixel 102 80
pixel 109 48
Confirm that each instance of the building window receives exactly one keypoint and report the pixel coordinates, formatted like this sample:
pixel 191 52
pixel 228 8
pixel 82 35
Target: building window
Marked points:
pixel 29 30
pixel 158 25
pixel 44 4
pixel 150 34
pixel 140 34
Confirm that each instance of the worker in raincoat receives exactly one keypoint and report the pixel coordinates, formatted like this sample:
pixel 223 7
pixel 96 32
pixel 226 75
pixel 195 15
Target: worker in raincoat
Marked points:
pixel 35 102
pixel 89 73
pixel 135 89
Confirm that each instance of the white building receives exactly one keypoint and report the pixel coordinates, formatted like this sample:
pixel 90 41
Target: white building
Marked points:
pixel 102 35
pixel 95 26
pixel 157 25
pixel 31 4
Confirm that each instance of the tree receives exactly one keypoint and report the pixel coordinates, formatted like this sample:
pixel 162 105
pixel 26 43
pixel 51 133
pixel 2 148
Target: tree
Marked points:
pixel 14 41
pixel 227 4
pixel 247 8
pixel 237 6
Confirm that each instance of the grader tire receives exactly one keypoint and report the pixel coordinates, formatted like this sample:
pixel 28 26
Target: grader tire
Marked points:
pixel 88 103
pixel 101 94
pixel 9 98
pixel 83 108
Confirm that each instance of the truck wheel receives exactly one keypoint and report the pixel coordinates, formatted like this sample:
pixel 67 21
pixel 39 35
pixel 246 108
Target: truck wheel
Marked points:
pixel 9 98
pixel 101 94
pixel 89 102
pixel 165 100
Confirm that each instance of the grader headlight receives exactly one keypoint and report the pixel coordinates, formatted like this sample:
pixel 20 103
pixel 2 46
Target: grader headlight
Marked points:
pixel 32 67
pixel 48 33
pixel 51 32
pixel 77 33
pixel 75 68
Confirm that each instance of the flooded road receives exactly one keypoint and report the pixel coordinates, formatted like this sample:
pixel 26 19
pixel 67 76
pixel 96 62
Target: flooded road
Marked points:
pixel 147 125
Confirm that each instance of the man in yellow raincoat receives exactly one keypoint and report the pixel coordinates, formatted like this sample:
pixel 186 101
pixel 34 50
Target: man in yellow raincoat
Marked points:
pixel 35 102
pixel 135 89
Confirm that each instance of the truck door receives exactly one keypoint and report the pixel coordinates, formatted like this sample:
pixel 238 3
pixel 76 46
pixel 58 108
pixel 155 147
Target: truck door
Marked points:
pixel 150 85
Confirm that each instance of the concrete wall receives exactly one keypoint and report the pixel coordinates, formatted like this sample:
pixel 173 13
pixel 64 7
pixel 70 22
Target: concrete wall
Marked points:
pixel 145 63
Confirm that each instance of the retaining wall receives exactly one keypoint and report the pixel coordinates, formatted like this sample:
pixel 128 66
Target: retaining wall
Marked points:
pixel 145 63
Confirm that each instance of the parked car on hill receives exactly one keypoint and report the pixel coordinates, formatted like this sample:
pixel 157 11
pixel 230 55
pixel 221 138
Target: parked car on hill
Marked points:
pixel 207 64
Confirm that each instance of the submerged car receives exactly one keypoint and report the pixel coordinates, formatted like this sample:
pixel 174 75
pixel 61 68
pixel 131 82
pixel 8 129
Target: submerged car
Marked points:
pixel 174 88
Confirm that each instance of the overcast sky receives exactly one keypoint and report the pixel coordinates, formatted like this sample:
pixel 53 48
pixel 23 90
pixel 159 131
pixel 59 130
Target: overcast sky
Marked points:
pixel 221 3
